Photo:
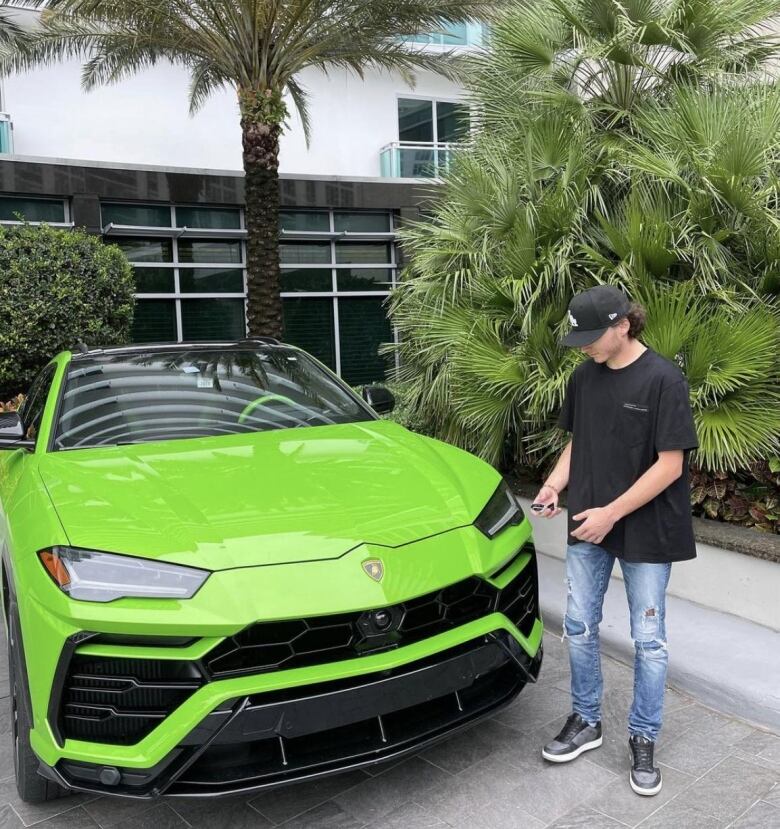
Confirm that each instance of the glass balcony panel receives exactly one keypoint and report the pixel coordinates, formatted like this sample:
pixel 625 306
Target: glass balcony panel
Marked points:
pixel 454 34
pixel 451 34
pixel 417 163
pixel 388 162
pixel 415 160
pixel 6 137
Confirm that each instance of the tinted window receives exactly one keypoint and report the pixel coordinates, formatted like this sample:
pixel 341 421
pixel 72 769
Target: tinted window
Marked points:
pixel 198 392
pixel 304 220
pixel 452 121
pixel 32 210
pixel 137 249
pixel 145 215
pixel 215 217
pixel 35 402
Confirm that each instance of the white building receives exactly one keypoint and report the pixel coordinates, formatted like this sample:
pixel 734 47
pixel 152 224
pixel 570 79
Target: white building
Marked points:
pixel 130 162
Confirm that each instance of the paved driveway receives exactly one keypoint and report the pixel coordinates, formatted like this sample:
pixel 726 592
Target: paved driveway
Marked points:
pixel 718 772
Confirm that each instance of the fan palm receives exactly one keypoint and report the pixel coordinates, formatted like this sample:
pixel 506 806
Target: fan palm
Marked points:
pixel 633 143
pixel 256 47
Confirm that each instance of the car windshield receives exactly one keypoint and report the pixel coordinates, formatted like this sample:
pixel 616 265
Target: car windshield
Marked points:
pixel 151 396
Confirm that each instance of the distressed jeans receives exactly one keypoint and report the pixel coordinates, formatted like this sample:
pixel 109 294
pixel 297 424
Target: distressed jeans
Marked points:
pixel 588 568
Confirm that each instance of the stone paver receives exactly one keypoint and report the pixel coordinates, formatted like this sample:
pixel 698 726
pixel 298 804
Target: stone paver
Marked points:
pixel 719 773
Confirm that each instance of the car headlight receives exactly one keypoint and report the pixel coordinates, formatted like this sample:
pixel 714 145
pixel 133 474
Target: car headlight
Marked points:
pixel 502 510
pixel 103 577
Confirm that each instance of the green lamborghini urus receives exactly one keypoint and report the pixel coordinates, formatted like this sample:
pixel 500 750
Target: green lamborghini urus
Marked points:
pixel 222 570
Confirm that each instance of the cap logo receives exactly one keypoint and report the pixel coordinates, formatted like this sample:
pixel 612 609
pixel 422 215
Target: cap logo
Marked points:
pixel 612 316
pixel 572 320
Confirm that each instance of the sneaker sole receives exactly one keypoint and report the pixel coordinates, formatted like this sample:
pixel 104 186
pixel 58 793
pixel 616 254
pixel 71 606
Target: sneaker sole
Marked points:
pixel 638 789
pixel 645 792
pixel 572 755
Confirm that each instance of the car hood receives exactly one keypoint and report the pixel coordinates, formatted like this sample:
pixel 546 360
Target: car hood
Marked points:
pixel 266 498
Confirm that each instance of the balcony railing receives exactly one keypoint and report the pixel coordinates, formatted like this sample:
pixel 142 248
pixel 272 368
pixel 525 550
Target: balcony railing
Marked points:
pixel 410 159
pixel 452 34
pixel 6 133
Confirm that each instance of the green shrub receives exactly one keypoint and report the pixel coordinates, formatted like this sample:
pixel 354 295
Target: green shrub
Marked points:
pixel 57 288
pixel 750 497
pixel 602 154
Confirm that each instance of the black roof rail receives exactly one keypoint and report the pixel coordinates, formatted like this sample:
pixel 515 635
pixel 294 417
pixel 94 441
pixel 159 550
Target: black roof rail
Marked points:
pixel 82 350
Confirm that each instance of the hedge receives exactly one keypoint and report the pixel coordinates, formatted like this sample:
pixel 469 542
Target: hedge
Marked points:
pixel 57 288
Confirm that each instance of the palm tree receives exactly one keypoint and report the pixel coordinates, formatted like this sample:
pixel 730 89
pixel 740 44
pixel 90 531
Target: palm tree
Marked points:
pixel 636 143
pixel 11 33
pixel 256 47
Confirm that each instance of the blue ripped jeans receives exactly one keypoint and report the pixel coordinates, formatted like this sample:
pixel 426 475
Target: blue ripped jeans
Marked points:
pixel 588 568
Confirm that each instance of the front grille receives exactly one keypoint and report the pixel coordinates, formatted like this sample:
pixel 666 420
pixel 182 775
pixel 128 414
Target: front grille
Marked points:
pixel 119 701
pixel 518 599
pixel 273 646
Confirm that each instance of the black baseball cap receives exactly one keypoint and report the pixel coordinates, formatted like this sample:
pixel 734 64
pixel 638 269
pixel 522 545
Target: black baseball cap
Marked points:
pixel 592 312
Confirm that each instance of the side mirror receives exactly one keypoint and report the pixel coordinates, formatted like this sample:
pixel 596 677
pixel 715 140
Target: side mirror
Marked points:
pixel 12 431
pixel 379 398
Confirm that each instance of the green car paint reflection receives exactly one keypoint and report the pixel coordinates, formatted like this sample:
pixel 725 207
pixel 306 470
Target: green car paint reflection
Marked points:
pixel 184 535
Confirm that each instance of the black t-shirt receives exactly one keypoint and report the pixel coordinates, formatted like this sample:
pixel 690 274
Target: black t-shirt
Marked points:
pixel 620 419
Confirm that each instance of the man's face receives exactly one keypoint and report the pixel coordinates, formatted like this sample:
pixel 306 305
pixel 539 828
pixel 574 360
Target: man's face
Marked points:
pixel 608 344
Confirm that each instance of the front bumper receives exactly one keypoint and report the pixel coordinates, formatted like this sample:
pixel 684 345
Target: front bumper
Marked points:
pixel 199 662
pixel 257 741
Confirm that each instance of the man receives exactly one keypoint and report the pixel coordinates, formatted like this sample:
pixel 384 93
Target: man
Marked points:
pixel 626 467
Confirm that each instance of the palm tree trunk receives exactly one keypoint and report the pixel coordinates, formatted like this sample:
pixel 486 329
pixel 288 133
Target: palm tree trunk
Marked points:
pixel 261 167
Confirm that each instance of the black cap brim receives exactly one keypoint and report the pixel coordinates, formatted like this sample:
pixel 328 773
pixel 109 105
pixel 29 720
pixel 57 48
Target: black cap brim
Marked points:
pixel 577 339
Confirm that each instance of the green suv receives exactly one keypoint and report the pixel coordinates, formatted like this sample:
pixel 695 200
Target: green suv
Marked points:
pixel 221 571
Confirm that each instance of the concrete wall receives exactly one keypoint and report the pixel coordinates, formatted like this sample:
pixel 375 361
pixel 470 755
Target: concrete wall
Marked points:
pixel 145 120
pixel 719 579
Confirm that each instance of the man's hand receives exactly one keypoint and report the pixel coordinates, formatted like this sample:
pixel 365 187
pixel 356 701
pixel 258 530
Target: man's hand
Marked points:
pixel 596 523
pixel 547 495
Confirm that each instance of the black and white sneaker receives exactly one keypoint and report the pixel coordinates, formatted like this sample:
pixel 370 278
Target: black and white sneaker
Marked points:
pixel 645 778
pixel 575 737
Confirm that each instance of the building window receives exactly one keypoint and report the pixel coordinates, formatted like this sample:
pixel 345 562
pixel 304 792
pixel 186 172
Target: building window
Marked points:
pixel 337 270
pixel 189 263
pixel 427 131
pixel 435 122
pixel 452 34
pixel 189 268
pixel 17 208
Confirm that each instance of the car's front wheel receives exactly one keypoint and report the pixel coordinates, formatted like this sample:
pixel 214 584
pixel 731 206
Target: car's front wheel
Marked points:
pixel 31 786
